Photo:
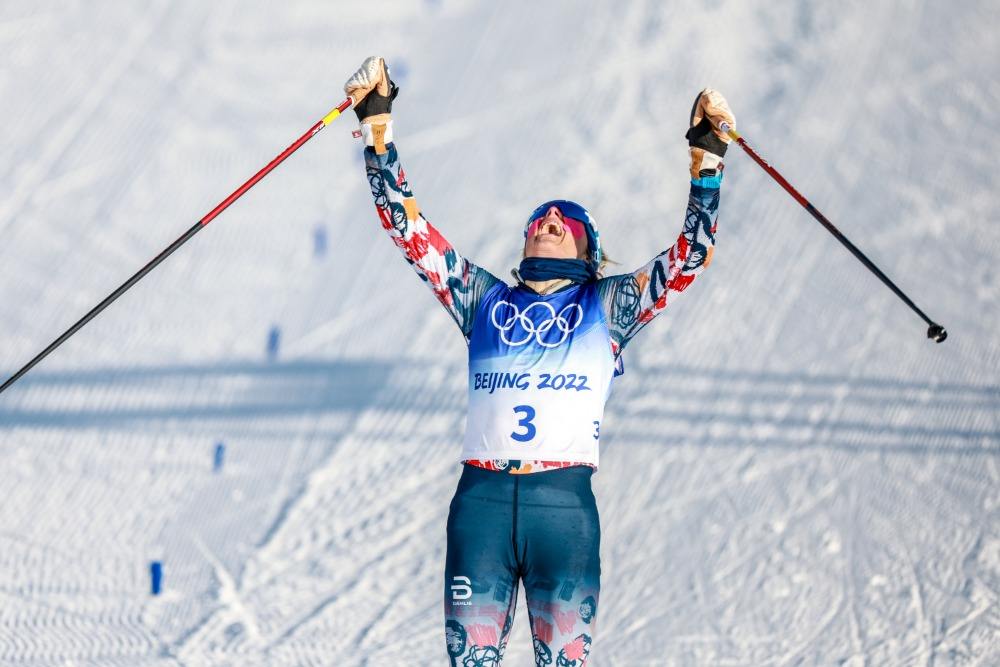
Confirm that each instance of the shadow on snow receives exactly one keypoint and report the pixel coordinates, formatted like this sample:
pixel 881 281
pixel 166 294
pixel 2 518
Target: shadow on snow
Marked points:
pixel 704 406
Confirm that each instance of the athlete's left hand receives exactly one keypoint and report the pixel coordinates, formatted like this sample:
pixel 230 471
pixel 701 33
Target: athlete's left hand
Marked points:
pixel 707 141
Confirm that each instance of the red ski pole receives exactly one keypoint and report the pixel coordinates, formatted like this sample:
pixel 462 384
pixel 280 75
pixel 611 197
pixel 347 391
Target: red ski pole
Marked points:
pixel 935 332
pixel 198 226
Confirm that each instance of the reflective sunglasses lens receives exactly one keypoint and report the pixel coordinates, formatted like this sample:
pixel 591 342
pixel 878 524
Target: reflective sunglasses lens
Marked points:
pixel 575 227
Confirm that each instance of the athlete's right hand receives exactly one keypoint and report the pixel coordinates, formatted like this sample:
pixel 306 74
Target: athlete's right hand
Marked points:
pixel 372 89
pixel 706 140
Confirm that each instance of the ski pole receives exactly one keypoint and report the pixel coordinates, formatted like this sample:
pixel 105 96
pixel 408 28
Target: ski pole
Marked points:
pixel 935 331
pixel 198 226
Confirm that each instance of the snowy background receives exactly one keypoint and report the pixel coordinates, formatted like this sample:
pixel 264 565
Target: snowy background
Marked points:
pixel 792 473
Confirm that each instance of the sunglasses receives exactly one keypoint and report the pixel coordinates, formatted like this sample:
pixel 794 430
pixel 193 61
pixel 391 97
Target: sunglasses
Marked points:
pixel 574 217
pixel 574 227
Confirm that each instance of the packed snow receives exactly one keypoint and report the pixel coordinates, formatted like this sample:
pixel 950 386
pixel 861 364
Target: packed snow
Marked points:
pixel 792 474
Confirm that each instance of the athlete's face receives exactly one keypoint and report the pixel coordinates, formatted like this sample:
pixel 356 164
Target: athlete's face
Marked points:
pixel 557 238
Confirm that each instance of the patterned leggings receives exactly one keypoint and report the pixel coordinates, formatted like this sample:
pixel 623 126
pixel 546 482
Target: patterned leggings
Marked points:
pixel 541 529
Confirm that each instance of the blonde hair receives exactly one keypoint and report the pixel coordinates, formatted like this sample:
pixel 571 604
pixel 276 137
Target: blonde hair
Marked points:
pixel 605 260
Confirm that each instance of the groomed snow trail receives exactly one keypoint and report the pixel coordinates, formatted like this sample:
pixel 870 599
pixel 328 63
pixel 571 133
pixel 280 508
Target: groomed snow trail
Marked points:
pixel 791 474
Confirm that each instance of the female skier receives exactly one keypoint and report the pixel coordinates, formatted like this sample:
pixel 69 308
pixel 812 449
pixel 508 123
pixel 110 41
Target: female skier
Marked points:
pixel 542 355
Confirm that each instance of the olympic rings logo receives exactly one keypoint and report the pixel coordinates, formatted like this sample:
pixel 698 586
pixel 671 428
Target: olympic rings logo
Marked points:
pixel 517 327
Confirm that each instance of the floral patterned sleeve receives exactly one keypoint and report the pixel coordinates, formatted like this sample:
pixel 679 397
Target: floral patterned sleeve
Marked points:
pixel 457 283
pixel 633 299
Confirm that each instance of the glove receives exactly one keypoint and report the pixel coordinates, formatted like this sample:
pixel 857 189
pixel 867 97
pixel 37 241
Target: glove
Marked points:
pixel 707 142
pixel 373 92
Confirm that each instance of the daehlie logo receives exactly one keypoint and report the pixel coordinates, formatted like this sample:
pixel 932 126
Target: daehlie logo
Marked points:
pixel 517 328
pixel 461 589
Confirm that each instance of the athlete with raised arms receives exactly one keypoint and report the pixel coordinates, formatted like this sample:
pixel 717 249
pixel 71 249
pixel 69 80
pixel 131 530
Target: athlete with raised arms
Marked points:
pixel 542 355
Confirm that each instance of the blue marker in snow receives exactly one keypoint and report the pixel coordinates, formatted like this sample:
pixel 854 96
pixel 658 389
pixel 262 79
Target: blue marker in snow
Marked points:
pixel 220 453
pixel 273 340
pixel 155 576
pixel 319 241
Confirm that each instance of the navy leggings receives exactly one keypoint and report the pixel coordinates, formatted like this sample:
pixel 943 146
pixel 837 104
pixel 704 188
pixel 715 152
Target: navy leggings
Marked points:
pixel 541 529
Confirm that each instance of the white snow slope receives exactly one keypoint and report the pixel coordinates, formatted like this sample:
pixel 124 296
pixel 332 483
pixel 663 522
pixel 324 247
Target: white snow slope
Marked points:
pixel 792 474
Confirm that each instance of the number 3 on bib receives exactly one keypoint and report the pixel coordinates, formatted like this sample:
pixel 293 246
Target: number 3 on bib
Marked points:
pixel 524 422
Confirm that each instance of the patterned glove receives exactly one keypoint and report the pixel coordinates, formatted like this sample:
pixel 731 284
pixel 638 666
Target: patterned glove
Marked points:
pixel 373 92
pixel 707 142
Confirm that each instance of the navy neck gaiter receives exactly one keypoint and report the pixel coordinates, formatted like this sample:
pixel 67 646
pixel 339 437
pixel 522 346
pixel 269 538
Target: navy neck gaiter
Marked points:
pixel 547 268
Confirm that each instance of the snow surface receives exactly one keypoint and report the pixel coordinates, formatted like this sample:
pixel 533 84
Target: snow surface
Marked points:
pixel 792 474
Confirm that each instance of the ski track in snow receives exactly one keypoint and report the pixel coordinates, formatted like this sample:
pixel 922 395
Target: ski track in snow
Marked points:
pixel 790 475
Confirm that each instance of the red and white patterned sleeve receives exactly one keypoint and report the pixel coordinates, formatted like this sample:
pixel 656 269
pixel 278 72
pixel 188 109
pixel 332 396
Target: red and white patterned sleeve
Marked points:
pixel 457 283
pixel 632 300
